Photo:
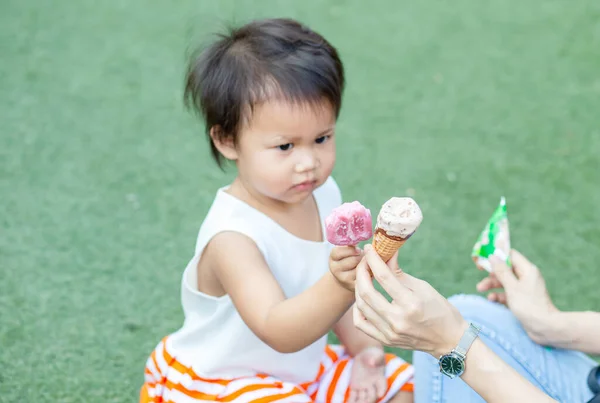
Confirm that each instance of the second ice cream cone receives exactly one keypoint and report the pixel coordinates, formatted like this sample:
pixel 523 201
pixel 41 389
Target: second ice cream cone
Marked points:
pixel 386 245
pixel 397 221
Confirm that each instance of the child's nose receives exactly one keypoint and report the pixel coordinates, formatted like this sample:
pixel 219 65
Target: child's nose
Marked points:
pixel 307 162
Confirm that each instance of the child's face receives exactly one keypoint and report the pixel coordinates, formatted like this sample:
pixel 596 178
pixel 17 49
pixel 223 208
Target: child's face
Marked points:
pixel 285 151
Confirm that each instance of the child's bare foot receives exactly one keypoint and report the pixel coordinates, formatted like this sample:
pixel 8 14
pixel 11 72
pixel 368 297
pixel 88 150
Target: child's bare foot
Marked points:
pixel 367 380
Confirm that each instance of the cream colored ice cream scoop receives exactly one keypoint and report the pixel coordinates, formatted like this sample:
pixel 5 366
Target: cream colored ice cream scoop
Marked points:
pixel 399 217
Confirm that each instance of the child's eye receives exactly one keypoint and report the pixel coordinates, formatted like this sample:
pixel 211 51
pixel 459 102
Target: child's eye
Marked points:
pixel 322 139
pixel 285 147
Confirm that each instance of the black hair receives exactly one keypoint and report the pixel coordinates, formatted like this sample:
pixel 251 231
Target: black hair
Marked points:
pixel 264 59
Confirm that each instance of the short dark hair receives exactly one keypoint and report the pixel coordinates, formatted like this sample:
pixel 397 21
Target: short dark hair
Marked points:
pixel 269 58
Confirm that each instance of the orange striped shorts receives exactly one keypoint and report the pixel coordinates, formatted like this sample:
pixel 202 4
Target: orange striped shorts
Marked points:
pixel 167 380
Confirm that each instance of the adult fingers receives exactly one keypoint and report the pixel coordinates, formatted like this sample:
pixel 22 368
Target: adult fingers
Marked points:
pixel 397 284
pixel 362 324
pixel 503 273
pixel 379 321
pixel 488 283
pixel 393 262
pixel 366 292
pixel 521 264
pixel 498 297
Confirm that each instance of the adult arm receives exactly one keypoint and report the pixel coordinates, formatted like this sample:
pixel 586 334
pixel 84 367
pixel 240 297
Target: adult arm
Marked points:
pixel 419 318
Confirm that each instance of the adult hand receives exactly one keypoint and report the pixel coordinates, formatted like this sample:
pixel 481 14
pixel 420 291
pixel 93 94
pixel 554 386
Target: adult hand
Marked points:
pixel 525 293
pixel 417 318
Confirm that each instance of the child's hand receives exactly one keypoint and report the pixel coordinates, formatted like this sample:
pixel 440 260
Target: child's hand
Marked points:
pixel 367 380
pixel 342 264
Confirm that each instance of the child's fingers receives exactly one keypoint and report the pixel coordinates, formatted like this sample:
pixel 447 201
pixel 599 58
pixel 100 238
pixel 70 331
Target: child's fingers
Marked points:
pixel 349 263
pixel 352 396
pixel 370 394
pixel 341 252
pixel 381 387
pixel 360 395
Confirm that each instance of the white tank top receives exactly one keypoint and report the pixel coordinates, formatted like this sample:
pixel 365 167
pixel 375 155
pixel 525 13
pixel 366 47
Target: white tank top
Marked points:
pixel 214 339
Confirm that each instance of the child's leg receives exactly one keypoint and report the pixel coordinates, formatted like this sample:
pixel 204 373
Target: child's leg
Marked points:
pixel 561 374
pixel 333 386
pixel 171 379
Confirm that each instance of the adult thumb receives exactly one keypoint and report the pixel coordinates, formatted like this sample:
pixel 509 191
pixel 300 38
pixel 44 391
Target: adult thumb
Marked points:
pixel 522 266
pixel 503 273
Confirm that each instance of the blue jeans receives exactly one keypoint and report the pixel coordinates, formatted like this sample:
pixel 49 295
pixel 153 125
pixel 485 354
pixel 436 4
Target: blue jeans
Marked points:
pixel 562 374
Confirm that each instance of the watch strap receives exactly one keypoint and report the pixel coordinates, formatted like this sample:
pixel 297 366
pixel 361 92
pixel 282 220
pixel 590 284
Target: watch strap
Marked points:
pixel 466 340
pixel 594 380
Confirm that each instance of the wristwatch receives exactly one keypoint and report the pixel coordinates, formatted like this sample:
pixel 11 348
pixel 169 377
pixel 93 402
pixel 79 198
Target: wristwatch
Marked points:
pixel 594 380
pixel 453 363
pixel 594 384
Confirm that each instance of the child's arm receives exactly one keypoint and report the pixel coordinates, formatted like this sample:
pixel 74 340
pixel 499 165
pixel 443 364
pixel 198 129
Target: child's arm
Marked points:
pixel 287 325
pixel 352 339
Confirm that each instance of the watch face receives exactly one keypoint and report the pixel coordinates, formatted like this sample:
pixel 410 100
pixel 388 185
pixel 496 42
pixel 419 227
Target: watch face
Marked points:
pixel 452 365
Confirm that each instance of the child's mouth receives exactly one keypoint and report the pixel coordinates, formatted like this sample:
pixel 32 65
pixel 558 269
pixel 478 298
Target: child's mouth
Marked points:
pixel 306 185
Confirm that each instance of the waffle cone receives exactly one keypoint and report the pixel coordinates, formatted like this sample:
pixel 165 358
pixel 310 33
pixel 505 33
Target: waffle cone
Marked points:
pixel 386 245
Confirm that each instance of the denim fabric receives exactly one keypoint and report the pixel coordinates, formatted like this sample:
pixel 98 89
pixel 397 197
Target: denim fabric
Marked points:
pixel 560 373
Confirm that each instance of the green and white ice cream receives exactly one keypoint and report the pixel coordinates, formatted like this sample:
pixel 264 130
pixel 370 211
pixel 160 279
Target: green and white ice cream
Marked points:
pixel 494 239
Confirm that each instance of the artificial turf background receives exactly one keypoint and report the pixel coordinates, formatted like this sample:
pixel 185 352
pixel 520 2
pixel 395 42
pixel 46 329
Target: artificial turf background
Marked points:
pixel 105 178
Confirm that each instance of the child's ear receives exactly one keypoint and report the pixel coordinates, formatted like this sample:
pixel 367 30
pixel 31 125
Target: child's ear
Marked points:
pixel 224 144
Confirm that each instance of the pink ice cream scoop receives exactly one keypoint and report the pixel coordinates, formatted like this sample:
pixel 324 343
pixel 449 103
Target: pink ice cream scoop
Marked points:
pixel 349 224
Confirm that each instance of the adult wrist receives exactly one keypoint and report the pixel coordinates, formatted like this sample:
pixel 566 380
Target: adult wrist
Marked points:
pixel 557 328
pixel 453 363
pixel 547 328
pixel 451 339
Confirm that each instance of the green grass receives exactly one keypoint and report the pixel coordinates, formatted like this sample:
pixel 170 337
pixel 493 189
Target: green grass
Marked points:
pixel 105 178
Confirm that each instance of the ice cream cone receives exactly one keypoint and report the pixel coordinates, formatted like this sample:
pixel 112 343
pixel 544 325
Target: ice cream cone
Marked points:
pixel 397 221
pixel 386 245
